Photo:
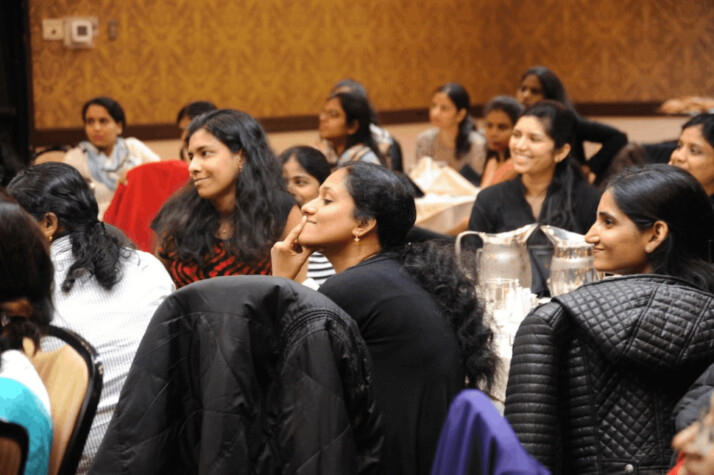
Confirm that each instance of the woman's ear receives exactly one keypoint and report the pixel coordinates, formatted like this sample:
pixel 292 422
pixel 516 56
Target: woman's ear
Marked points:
pixel 49 225
pixel 461 114
pixel 561 153
pixel 658 234
pixel 364 225
pixel 352 128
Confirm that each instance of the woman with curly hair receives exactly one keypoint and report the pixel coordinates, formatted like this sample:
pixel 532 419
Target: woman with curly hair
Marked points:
pixel 234 209
pixel 416 310
pixel 103 290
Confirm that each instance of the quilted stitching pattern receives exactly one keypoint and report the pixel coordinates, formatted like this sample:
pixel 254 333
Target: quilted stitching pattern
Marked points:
pixel 595 374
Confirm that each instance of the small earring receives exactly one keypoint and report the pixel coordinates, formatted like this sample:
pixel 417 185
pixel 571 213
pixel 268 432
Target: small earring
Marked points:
pixel 356 239
pixel 648 249
pixel 51 237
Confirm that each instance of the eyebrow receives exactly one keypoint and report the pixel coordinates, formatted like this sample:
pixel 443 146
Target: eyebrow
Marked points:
pixel 605 214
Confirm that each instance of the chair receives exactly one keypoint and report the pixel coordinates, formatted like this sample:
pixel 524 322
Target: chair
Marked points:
pixel 246 374
pixel 476 439
pixel 14 446
pixel 73 376
pixel 135 204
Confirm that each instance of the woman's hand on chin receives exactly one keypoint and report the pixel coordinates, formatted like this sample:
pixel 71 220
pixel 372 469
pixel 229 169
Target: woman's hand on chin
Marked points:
pixel 288 257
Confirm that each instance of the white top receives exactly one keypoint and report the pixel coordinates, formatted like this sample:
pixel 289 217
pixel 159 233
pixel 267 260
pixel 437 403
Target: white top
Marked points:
pixel 102 192
pixel 429 145
pixel 16 366
pixel 113 321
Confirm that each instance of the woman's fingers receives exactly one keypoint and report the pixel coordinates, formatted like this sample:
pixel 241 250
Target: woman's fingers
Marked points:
pixel 287 256
pixel 291 240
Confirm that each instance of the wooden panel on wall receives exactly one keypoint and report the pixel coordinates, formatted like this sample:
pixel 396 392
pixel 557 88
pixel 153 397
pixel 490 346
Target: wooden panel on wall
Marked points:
pixel 275 58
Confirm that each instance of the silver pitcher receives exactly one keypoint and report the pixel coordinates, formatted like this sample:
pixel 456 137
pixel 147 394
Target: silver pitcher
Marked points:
pixel 572 264
pixel 503 257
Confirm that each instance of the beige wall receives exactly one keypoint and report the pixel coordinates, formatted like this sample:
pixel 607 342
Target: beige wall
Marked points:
pixel 278 58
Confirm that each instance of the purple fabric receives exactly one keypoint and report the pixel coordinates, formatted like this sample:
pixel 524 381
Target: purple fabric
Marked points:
pixel 476 439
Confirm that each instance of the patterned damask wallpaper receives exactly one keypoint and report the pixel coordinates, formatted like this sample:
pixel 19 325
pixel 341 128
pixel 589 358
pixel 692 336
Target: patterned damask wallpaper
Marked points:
pixel 278 58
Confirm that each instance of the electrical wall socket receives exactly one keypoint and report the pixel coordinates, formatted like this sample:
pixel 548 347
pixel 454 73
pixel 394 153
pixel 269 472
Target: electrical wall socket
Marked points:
pixel 53 29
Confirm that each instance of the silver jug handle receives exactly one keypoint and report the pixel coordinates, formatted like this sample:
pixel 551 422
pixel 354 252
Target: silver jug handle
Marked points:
pixel 457 246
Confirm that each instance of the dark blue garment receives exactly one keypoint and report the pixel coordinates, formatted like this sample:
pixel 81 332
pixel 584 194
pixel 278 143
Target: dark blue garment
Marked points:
pixel 476 439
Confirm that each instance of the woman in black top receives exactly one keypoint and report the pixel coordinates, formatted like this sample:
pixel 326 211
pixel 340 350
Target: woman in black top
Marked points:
pixel 539 83
pixel 416 310
pixel 549 189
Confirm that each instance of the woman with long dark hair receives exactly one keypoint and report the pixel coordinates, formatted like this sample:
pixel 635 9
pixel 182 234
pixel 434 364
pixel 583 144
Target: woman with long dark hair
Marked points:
pixel 345 125
pixel 415 308
pixel 234 209
pixel 539 83
pixel 454 139
pixel 103 290
pixel 26 274
pixel 596 373
pixel 106 157
pixel 549 188
pixel 389 147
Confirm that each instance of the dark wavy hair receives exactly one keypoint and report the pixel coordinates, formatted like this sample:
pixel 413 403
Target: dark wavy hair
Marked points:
pixel 310 159
pixel 59 189
pixel 559 123
pixel 187 224
pixel 509 106
pixel 378 193
pixel 706 121
pixel 26 272
pixel 670 194
pixel 357 108
pixel 460 98
pixel 113 108
pixel 553 88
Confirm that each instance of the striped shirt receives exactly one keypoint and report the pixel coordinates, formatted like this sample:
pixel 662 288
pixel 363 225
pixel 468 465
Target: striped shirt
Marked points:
pixel 319 268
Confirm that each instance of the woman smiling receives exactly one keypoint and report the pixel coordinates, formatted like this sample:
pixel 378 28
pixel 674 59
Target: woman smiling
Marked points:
pixel 416 310
pixel 597 372
pixel 234 209
pixel 549 188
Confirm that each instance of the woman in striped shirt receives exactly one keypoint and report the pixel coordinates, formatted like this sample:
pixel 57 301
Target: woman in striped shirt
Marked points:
pixel 304 170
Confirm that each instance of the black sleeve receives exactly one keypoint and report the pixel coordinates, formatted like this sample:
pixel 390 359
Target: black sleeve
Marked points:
pixel 687 409
pixel 612 141
pixel 482 215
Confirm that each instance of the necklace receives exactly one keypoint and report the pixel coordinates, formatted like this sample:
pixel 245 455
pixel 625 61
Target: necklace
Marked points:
pixel 225 229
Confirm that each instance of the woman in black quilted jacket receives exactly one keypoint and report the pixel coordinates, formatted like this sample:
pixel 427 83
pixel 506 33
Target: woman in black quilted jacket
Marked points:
pixel 596 373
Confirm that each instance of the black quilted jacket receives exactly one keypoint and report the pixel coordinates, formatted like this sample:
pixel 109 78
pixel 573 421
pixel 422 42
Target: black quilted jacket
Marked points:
pixel 246 375
pixel 596 373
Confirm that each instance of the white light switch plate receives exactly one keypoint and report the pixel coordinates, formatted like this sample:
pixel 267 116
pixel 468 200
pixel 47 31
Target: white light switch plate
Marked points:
pixel 53 29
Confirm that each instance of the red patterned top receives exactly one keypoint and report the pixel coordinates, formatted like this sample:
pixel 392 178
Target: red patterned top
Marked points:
pixel 222 263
